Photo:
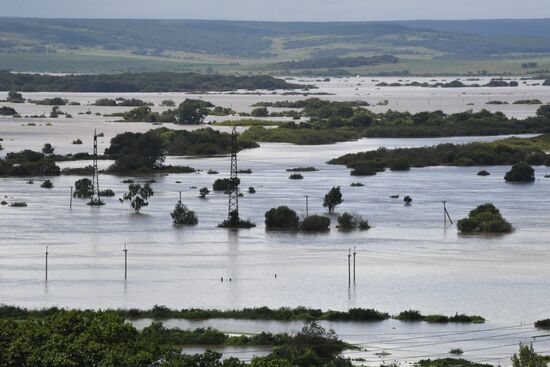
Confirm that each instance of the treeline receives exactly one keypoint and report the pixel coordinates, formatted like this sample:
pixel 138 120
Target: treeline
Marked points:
pixel 139 82
pixel 146 152
pixel 331 122
pixel 502 152
pixel 338 62
pixel 258 313
pixel 95 338
pixel 453 84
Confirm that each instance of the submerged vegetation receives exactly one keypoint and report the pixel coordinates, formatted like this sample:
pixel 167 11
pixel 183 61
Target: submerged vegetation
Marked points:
pixel 332 122
pixel 501 152
pixel 485 218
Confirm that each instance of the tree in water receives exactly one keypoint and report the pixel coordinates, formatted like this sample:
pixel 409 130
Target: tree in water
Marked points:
pixel 527 357
pixel 203 192
pixel 333 198
pixel 83 188
pixel 183 216
pixel 138 196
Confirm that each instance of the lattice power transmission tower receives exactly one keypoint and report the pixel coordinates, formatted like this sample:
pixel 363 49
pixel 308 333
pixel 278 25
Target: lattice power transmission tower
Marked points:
pixel 95 199
pixel 233 179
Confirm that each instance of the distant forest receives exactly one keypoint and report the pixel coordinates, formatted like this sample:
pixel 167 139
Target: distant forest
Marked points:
pixel 138 82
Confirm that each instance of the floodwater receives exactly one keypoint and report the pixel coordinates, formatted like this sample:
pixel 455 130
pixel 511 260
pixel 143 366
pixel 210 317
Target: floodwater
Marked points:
pixel 408 260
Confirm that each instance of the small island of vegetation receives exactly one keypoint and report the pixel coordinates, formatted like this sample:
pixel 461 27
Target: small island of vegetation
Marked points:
pixel 485 219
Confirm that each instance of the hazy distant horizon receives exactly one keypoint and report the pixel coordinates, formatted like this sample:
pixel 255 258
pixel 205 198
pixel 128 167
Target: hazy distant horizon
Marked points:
pixel 280 11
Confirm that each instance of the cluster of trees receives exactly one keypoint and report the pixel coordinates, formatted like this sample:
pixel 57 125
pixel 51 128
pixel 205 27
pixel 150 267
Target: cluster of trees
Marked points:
pixel 55 101
pixel 138 82
pixel 503 152
pixel 28 163
pixel 520 172
pixel 190 111
pixel 452 84
pixel 132 102
pixel 96 338
pixel 8 111
pixel 485 218
pixel 15 97
pixel 332 122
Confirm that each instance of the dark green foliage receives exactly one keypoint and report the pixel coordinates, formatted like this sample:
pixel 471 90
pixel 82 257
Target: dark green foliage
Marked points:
pixel 543 324
pixel 137 82
pixel 341 121
pixel 333 198
pixel 544 111
pixel 281 218
pixel 47 184
pixel 199 142
pixel 485 218
pixel 520 172
pixel 192 111
pixel 7 111
pixel 400 165
pixel 356 184
pixel 168 103
pixel 28 163
pixel 105 102
pixel 302 169
pixel 136 152
pixel 315 223
pixel 296 176
pixel 483 173
pixel 138 196
pixel 408 200
pixel 528 101
pixel 527 357
pixel 347 221
pixel 413 315
pixel 260 112
pixel 83 188
pixel 77 142
pixel 234 221
pixel 48 149
pixel 224 184
pixel 203 192
pixel 503 152
pixel 107 193
pixel 56 101
pixel 15 97
pixel 183 216
pixel 251 190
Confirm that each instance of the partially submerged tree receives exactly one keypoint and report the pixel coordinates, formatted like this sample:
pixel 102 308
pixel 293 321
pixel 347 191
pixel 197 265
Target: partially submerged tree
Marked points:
pixel 527 357
pixel 333 198
pixel 234 221
pixel 281 218
pixel 83 188
pixel 183 216
pixel 520 172
pixel 47 184
pixel 485 218
pixel 348 221
pixel 315 223
pixel 203 192
pixel 48 149
pixel 138 196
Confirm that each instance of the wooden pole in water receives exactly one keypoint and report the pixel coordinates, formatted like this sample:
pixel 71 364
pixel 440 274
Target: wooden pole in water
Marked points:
pixel 46 272
pixel 307 206
pixel 354 254
pixel 444 212
pixel 125 262
pixel 180 196
pixel 349 267
pixel 71 199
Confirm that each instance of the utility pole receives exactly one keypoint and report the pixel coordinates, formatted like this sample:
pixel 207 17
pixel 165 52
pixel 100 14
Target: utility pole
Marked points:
pixel 125 262
pixel 95 199
pixel 349 267
pixel 354 254
pixel 46 263
pixel 307 206
pixel 446 213
pixel 233 178
pixel 180 196
pixel 71 199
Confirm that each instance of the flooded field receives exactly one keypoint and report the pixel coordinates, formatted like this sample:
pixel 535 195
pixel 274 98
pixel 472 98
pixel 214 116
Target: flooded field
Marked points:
pixel 408 260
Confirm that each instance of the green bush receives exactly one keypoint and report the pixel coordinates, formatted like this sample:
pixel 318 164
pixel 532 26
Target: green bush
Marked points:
pixel 281 218
pixel 485 218
pixel 315 223
pixel 520 172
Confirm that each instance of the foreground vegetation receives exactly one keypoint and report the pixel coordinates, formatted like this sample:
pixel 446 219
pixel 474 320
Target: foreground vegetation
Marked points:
pixel 486 219
pixel 96 338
